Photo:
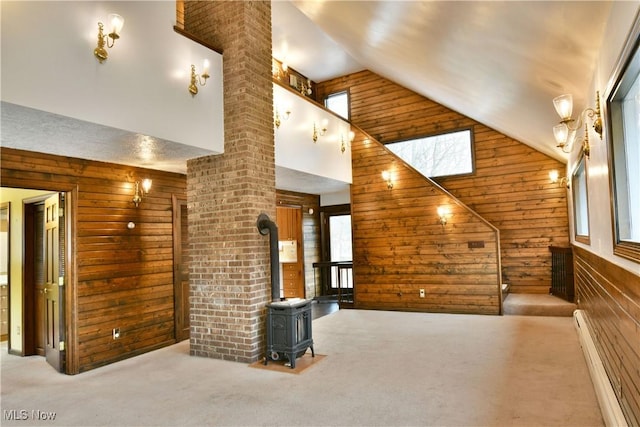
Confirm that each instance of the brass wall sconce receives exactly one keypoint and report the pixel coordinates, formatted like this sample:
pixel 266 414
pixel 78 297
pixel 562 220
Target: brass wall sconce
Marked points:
pixel 138 193
pixel 564 107
pixel 198 78
pixel 115 26
pixel 387 176
pixel 321 132
pixel 277 120
pixel 443 212
pixel 554 177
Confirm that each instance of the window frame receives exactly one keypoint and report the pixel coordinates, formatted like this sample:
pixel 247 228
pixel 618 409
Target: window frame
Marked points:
pixel 626 70
pixel 472 148
pixel 340 92
pixel 581 164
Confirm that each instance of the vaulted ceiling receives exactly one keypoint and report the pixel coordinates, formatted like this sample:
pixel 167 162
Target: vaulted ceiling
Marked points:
pixel 498 62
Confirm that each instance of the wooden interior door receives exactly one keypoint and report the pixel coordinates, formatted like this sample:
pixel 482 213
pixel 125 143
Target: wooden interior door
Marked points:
pixel 180 269
pixel 289 221
pixel 52 287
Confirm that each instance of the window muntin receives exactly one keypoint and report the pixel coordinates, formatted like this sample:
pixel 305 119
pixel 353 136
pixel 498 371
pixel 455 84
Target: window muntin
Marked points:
pixel 338 103
pixel 580 202
pixel 438 155
pixel 623 108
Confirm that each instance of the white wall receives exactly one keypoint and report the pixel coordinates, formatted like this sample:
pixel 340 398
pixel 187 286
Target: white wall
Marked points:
pixel 295 148
pixel 600 221
pixel 48 64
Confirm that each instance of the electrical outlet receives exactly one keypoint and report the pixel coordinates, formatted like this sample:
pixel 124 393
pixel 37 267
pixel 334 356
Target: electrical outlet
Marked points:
pixel 18 330
pixel 421 293
pixel 116 333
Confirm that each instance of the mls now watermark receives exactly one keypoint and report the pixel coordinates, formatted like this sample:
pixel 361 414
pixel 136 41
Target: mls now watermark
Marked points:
pixel 24 415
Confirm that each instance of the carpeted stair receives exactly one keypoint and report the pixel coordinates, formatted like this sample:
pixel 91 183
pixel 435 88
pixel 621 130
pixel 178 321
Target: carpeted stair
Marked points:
pixel 537 305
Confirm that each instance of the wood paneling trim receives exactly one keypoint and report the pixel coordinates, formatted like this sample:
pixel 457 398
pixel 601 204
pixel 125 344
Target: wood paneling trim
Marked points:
pixel 116 277
pixel 510 187
pixel 610 296
pixel 400 247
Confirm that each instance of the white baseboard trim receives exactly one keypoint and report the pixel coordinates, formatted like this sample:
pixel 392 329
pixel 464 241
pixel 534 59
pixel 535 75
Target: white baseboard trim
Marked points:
pixel 609 405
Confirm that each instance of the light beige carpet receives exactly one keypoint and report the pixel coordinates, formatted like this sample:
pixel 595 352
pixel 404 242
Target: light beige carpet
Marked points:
pixel 537 305
pixel 382 369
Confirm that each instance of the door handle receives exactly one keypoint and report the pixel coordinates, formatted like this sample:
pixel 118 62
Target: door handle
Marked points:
pixel 45 290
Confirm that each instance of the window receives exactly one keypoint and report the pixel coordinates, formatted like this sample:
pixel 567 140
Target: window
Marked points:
pixel 439 155
pixel 338 103
pixel 623 108
pixel 580 202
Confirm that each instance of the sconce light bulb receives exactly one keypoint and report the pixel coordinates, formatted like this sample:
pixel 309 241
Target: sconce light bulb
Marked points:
pixel 564 106
pixel 131 225
pixel 116 23
pixel 146 185
pixel 553 176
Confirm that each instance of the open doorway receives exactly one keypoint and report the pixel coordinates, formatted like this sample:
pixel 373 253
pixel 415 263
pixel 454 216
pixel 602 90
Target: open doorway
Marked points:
pixel 337 254
pixel 35 240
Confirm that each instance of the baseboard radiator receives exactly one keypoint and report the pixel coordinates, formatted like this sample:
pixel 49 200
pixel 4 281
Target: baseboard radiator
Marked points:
pixel 609 405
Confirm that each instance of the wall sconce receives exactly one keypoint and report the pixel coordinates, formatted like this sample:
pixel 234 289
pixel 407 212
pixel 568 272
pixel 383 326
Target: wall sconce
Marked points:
pixel 555 178
pixel 115 26
pixel 195 78
pixel 564 107
pixel 277 120
pixel 443 212
pixel 137 195
pixel 386 175
pixel 322 132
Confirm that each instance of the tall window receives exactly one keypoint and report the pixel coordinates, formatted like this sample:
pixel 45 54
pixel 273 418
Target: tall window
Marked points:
pixel 580 202
pixel 623 106
pixel 439 155
pixel 338 103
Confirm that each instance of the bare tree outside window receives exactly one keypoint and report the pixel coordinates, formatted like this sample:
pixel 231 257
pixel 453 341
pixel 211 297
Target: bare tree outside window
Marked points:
pixel 439 155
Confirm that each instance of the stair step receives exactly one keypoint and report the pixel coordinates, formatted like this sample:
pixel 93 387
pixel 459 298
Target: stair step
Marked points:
pixel 537 305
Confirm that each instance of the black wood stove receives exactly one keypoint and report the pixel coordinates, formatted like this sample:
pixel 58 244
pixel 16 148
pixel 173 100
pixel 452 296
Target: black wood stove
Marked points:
pixel 288 330
pixel 288 321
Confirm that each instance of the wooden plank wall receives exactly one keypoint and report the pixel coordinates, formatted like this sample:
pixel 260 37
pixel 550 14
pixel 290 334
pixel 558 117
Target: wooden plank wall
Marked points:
pixel 610 296
pixel 400 246
pixel 124 277
pixel 510 187
pixel 310 231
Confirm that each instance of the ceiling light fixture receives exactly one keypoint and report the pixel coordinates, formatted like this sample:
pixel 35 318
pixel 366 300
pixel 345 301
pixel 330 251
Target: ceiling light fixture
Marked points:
pixel 116 23
pixel 564 107
pixel 198 78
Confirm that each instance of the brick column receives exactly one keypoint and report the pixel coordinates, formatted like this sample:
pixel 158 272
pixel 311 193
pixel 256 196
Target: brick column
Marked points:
pixel 229 259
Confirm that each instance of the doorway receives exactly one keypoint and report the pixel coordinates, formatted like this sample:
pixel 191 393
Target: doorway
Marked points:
pixel 180 269
pixel 43 278
pixel 337 254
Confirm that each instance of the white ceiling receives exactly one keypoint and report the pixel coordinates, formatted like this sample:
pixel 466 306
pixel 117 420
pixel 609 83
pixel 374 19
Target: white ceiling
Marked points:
pixel 500 63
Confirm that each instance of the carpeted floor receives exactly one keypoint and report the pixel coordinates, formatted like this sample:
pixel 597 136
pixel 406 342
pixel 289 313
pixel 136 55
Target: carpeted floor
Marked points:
pixel 537 305
pixel 381 369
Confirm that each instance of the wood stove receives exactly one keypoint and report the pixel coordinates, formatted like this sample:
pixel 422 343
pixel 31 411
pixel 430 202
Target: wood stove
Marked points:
pixel 288 330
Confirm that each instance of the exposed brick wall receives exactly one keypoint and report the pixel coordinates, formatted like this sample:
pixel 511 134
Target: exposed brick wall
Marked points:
pixel 229 260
